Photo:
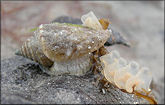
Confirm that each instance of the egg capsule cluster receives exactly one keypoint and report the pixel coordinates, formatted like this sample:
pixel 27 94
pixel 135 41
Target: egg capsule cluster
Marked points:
pixel 91 20
pixel 130 77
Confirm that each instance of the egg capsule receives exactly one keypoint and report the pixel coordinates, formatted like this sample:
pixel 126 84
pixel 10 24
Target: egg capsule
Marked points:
pixel 109 58
pixel 140 82
pixel 91 20
pixel 123 74
pixel 111 69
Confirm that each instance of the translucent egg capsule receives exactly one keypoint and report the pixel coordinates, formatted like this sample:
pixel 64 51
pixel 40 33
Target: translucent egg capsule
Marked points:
pixel 109 58
pixel 140 82
pixel 123 74
pixel 91 20
pixel 111 69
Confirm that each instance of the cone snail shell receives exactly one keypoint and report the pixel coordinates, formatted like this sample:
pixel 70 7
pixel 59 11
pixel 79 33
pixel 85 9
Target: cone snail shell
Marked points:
pixel 57 44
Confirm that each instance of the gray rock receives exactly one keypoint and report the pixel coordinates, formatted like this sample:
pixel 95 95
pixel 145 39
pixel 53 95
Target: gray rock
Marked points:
pixel 116 38
pixel 23 82
pixel 67 19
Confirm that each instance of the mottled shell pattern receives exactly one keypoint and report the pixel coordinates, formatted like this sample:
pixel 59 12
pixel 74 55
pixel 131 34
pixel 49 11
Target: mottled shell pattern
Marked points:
pixel 63 43
pixel 67 41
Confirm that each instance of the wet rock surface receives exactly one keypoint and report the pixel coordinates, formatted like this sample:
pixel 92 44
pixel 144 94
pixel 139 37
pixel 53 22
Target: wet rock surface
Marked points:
pixel 22 82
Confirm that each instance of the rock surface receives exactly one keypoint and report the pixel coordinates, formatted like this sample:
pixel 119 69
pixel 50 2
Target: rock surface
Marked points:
pixel 22 82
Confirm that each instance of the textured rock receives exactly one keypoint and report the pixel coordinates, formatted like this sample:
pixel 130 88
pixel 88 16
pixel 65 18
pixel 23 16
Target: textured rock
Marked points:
pixel 22 81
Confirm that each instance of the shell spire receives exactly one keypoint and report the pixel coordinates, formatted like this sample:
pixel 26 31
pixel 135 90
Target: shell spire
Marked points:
pixel 18 52
pixel 32 49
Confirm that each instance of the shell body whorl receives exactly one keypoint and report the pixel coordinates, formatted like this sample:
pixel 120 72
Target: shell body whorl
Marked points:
pixel 67 41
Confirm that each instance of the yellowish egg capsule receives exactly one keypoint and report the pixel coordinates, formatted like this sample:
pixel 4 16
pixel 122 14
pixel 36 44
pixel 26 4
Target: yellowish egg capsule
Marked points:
pixel 130 78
